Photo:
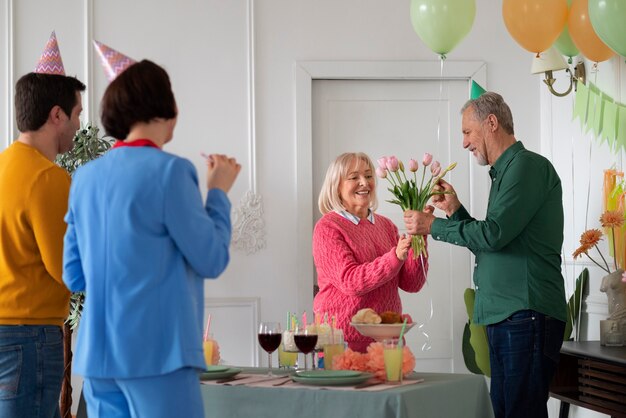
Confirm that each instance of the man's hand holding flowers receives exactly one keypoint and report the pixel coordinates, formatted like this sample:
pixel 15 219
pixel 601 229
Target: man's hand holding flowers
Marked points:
pixel 445 198
pixel 419 222
pixel 412 195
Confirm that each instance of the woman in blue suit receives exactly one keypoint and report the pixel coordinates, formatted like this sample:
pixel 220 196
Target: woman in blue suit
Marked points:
pixel 139 242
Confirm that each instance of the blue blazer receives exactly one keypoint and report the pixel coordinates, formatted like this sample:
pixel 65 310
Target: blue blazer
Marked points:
pixel 139 242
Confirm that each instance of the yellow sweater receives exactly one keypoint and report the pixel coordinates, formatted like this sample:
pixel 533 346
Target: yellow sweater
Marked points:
pixel 33 201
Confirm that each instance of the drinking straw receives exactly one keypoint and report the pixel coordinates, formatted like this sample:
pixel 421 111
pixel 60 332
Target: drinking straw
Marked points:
pixel 402 333
pixel 304 319
pixel 208 325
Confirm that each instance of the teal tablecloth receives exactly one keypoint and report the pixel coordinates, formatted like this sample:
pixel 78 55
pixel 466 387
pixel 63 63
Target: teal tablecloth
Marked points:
pixel 439 396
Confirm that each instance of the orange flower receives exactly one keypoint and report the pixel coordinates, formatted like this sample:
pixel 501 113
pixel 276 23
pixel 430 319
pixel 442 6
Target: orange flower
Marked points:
pixel 590 238
pixel 580 251
pixel 612 219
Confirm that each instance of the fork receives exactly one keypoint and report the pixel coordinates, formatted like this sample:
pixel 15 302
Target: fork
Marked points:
pixel 368 384
pixel 230 379
pixel 287 380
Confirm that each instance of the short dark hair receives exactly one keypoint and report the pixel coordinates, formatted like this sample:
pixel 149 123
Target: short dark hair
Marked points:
pixel 140 93
pixel 36 94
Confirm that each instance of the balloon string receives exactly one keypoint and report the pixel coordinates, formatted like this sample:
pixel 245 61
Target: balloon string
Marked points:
pixel 576 335
pixel 443 58
pixel 422 326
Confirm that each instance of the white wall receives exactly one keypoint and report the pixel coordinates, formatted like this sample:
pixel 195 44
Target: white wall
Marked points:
pixel 205 46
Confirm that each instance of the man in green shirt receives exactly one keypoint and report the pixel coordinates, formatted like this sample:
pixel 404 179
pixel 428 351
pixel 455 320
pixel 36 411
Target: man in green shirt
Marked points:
pixel 519 287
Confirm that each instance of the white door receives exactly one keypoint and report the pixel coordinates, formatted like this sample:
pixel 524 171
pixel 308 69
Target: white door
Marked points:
pixel 405 118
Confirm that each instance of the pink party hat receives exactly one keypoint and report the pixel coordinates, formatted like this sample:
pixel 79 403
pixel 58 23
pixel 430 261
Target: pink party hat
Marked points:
pixel 113 62
pixel 50 61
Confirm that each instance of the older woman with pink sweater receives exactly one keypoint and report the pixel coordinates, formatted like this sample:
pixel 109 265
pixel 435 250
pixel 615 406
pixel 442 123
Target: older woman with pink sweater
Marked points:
pixel 360 258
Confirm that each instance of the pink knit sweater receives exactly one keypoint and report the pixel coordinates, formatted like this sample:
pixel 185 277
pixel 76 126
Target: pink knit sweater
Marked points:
pixel 357 268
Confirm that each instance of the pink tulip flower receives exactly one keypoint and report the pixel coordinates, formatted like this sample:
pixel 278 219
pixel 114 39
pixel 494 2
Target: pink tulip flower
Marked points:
pixel 381 172
pixel 427 159
pixel 382 162
pixel 413 165
pixel 435 169
pixel 392 164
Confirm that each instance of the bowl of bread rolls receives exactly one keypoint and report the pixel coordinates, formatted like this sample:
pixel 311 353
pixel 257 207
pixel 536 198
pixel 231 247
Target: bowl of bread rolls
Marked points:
pixel 380 326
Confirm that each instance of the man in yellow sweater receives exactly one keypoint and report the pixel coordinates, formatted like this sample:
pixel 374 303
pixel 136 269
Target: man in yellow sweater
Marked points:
pixel 34 302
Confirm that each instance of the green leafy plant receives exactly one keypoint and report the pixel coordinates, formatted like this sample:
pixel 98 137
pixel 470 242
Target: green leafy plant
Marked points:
pixel 574 303
pixel 475 344
pixel 87 147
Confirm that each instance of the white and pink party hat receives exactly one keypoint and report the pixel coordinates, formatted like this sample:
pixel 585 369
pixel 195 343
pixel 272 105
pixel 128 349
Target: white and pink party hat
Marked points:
pixel 114 62
pixel 50 61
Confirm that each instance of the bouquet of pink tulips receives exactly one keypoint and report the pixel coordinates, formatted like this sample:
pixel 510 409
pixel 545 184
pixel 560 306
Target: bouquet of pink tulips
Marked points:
pixel 408 193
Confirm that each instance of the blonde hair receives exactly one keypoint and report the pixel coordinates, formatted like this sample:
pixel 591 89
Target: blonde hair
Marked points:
pixel 329 199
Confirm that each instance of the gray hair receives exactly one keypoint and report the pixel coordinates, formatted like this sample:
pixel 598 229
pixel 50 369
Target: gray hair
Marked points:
pixel 491 103
pixel 329 199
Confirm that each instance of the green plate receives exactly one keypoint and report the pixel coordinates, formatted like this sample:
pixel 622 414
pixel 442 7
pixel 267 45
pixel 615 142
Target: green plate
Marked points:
pixel 326 374
pixel 332 381
pixel 230 372
pixel 216 369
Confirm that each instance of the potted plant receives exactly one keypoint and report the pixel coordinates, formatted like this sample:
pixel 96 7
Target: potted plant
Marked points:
pixel 88 145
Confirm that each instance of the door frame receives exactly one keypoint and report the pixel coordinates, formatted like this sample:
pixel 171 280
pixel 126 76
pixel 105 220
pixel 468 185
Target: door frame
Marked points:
pixel 308 71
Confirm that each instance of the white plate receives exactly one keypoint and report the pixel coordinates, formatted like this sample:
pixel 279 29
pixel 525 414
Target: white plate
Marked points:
pixel 381 331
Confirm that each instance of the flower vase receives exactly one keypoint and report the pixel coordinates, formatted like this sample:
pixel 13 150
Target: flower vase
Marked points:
pixel 615 290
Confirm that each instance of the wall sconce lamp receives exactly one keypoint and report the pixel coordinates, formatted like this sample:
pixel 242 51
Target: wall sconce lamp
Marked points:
pixel 552 60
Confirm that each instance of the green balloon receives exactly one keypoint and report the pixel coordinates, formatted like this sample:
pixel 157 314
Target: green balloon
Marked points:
pixel 608 18
pixel 564 43
pixel 442 24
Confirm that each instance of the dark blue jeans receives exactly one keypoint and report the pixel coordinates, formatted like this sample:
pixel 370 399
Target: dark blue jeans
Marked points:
pixel 31 370
pixel 524 352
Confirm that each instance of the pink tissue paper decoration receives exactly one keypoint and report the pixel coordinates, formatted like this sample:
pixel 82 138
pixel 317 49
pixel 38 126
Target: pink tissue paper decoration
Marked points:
pixel 373 361
pixel 114 62
pixel 50 61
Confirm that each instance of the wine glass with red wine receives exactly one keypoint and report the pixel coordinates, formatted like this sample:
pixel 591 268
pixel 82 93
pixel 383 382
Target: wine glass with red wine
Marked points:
pixel 269 338
pixel 305 340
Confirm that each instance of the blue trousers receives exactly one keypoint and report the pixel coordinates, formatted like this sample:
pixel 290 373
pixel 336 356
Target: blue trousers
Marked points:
pixel 524 352
pixel 31 371
pixel 175 394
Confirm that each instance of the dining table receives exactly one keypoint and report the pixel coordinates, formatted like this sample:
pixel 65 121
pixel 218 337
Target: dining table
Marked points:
pixel 421 395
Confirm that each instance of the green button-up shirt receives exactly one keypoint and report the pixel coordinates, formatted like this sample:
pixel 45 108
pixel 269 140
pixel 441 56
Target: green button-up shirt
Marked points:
pixel 518 245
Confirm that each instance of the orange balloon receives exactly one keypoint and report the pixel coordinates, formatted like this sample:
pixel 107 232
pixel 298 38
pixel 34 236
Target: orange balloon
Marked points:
pixel 583 35
pixel 535 24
